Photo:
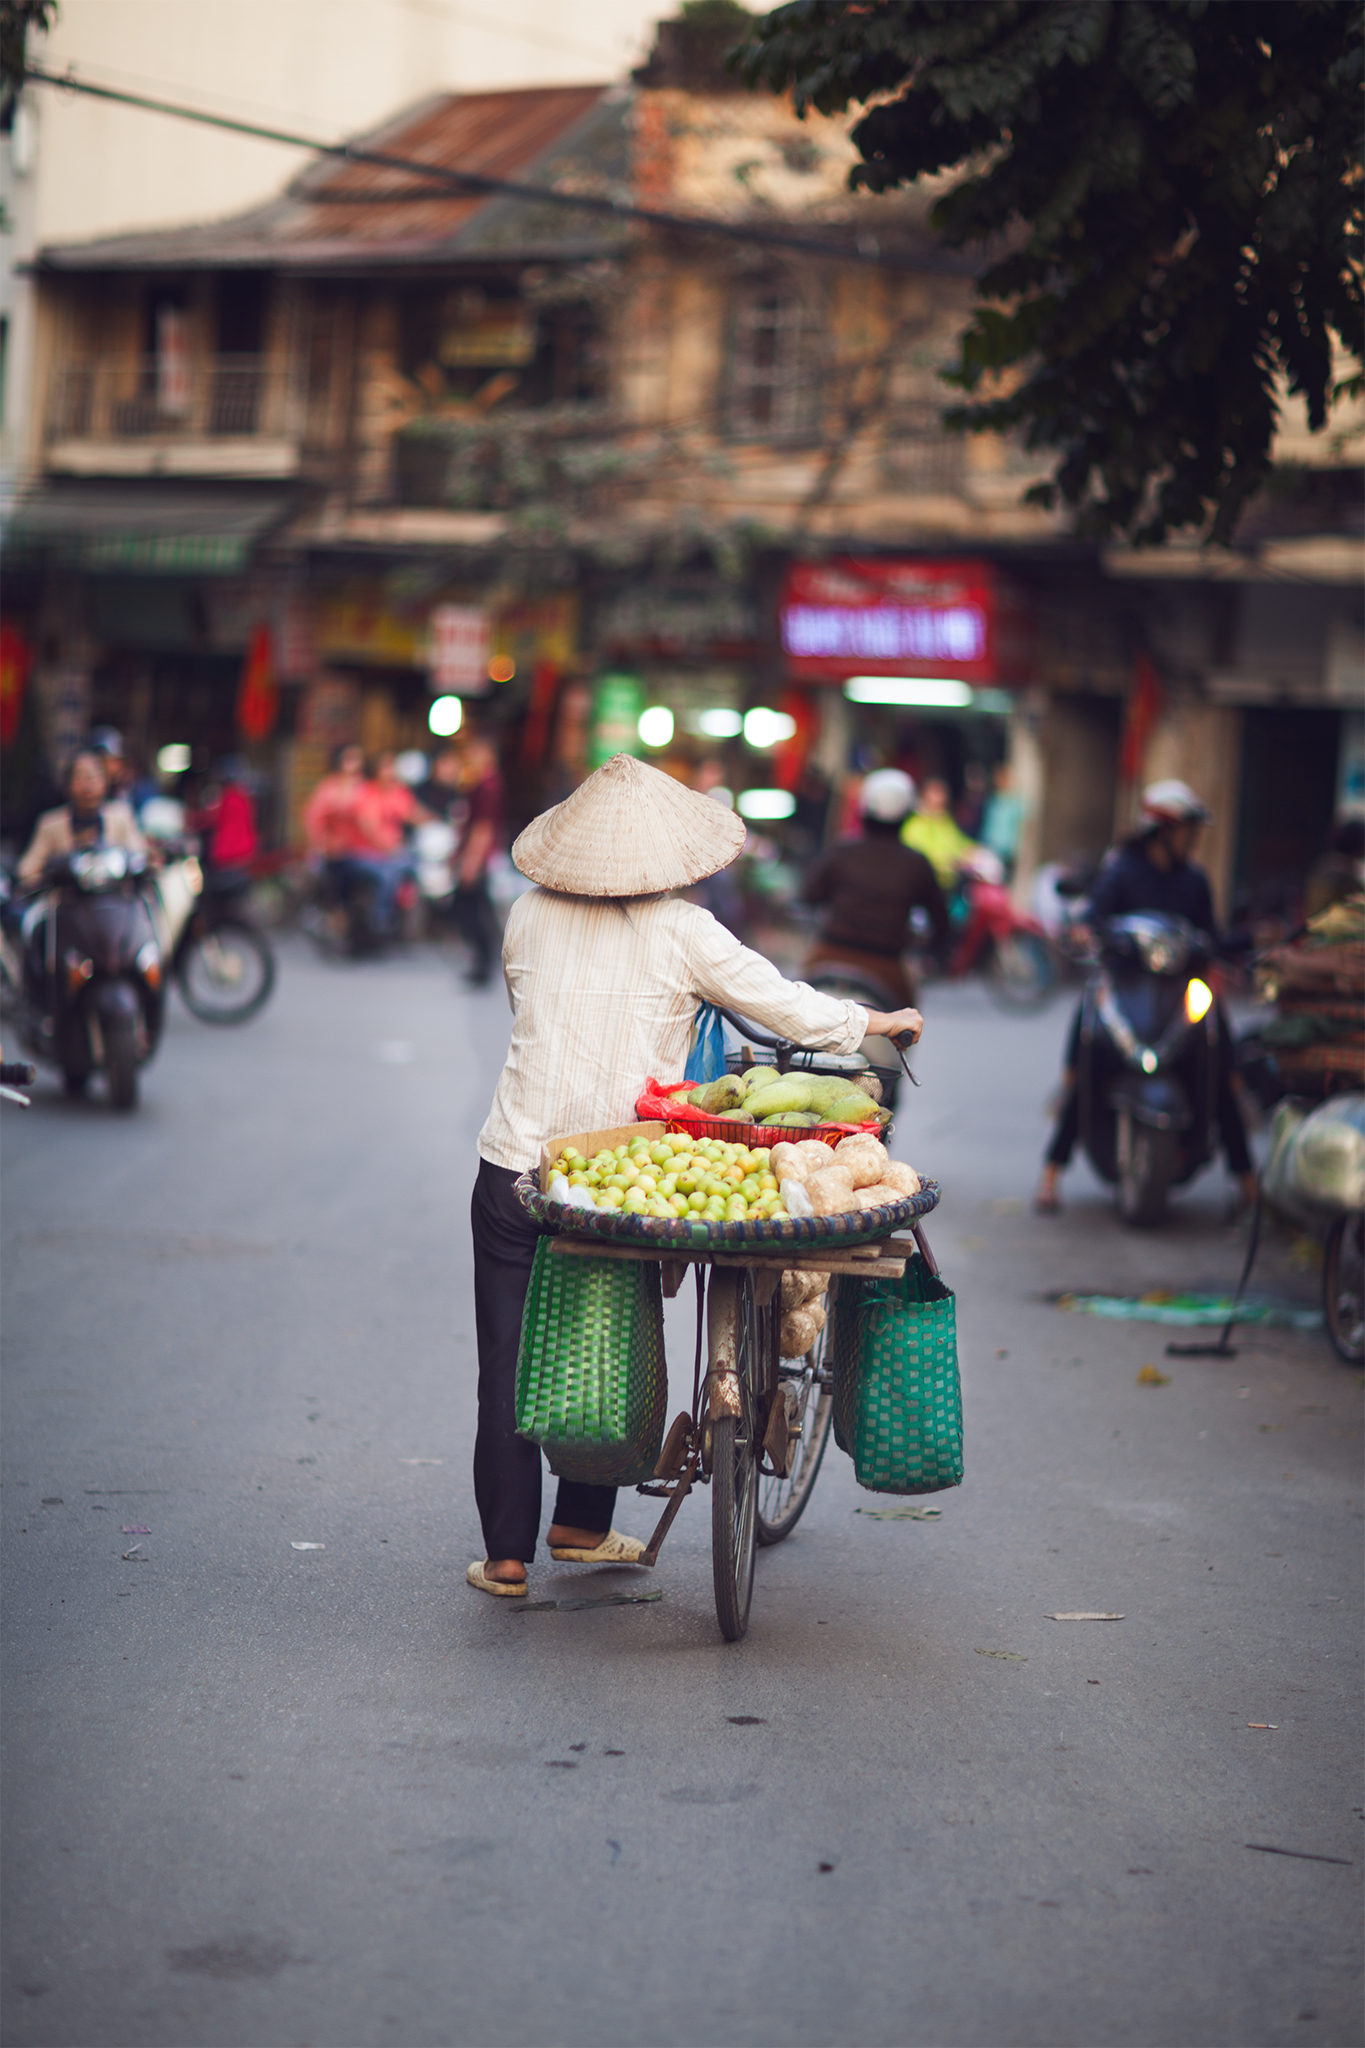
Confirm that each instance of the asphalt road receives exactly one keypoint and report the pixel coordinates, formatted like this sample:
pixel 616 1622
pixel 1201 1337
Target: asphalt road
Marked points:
pixel 263 1795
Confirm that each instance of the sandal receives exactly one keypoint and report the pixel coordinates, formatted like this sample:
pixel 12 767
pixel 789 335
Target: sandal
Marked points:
pixel 504 1588
pixel 613 1549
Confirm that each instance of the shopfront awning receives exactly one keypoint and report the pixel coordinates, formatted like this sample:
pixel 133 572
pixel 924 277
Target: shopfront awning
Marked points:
pixel 146 530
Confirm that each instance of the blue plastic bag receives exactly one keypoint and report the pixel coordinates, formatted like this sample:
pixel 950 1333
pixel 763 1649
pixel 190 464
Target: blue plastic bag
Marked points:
pixel 706 1054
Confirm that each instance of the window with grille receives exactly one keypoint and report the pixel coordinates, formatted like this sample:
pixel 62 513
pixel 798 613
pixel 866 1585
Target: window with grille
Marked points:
pixel 772 363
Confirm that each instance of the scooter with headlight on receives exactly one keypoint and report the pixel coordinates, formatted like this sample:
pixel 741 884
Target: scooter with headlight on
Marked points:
pixel 90 994
pixel 1147 1070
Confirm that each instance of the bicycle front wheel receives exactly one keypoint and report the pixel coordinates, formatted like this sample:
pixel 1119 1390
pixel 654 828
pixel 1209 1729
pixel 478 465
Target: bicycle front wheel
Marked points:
pixel 734 1472
pixel 782 1502
pixel 1021 973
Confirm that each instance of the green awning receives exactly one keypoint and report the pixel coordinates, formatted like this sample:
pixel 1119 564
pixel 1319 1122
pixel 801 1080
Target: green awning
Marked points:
pixel 152 530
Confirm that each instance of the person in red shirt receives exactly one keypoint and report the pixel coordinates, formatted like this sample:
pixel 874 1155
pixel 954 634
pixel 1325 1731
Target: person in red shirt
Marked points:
pixel 226 819
pixel 329 820
pixel 331 827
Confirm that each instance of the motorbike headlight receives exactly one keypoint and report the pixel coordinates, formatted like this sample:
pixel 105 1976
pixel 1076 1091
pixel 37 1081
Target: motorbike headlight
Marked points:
pixel 88 870
pixel 1198 1000
pixel 149 964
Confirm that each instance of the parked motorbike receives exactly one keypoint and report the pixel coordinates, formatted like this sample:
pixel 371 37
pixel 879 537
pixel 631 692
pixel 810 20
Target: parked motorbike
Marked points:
pixel 1008 948
pixel 83 971
pixel 1147 1070
pixel 340 911
pixel 1315 1174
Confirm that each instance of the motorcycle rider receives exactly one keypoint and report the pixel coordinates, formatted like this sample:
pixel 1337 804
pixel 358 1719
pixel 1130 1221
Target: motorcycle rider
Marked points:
pixel 87 818
pixel 871 886
pixel 1152 871
pixel 385 811
pixel 933 831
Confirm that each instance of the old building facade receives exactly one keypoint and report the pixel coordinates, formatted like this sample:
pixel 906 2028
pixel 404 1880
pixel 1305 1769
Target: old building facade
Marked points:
pixel 572 466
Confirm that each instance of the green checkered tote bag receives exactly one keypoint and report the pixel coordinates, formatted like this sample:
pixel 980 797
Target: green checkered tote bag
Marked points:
pixel 897 1396
pixel 592 1387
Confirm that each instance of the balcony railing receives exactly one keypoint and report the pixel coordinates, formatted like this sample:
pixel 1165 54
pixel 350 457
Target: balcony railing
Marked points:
pixel 171 399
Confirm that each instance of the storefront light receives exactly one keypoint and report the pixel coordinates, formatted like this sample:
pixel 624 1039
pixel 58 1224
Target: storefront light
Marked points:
pixel 764 728
pixel 766 803
pixel 941 693
pixel 446 716
pixel 719 724
pixel 501 669
pixel 656 725
pixel 175 759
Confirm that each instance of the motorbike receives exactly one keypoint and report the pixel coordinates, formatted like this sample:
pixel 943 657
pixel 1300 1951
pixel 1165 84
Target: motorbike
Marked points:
pixel 222 962
pixel 82 971
pixel 1147 1069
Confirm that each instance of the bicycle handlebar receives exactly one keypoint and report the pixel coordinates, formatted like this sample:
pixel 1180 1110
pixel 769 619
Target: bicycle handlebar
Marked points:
pixel 784 1045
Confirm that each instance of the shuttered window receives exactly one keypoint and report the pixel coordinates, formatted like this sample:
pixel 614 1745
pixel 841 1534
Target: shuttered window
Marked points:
pixel 773 368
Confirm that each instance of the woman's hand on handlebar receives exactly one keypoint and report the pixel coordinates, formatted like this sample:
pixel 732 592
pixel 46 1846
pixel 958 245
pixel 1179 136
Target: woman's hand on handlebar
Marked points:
pixel 895 1024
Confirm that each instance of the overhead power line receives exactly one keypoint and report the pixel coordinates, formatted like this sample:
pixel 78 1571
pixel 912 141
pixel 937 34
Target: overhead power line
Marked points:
pixel 855 249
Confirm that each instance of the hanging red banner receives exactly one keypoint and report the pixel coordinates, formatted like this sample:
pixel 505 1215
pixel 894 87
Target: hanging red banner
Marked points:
pixel 16 659
pixel 258 698
pixel 1141 712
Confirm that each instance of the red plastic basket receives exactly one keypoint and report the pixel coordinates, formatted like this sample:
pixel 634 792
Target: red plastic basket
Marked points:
pixel 655 1103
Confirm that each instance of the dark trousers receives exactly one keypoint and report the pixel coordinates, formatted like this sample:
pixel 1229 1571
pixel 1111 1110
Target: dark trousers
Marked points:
pixel 1231 1129
pixel 474 918
pixel 506 1467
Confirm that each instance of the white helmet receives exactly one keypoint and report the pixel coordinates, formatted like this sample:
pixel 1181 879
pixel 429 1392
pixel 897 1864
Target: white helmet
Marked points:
pixel 888 795
pixel 1173 803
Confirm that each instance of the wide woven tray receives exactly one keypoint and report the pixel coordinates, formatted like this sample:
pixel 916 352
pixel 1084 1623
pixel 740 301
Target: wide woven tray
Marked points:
pixel 809 1233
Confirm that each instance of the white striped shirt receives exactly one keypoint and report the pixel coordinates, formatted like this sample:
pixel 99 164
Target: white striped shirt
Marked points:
pixel 604 993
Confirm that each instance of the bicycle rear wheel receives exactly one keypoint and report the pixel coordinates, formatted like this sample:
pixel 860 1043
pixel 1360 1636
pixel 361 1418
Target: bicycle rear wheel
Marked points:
pixel 782 1502
pixel 734 1471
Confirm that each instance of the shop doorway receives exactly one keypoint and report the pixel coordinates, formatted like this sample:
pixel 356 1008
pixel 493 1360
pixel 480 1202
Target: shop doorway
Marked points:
pixel 1289 781
pixel 1081 773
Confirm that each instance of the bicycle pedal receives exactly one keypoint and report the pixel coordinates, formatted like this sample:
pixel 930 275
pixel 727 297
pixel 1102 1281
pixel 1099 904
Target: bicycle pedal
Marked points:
pixel 783 1431
pixel 673 1456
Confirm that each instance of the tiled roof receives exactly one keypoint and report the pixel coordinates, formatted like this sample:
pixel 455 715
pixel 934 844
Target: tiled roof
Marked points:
pixel 341 216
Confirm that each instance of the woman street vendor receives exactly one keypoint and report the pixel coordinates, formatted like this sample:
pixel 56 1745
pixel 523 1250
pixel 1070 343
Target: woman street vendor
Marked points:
pixel 606 967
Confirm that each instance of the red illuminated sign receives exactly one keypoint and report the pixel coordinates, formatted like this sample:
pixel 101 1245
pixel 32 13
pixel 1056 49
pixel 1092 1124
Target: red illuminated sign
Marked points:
pixel 862 616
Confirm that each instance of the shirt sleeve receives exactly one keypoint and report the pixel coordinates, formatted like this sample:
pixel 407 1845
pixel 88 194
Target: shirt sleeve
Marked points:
pixel 726 972
pixel 39 850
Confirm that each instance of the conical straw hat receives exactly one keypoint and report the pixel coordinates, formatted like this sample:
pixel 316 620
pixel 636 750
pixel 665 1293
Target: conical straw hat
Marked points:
pixel 629 830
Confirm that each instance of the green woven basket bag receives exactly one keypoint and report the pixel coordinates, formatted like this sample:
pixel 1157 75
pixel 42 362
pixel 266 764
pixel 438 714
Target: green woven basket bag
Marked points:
pixel 592 1387
pixel 897 1396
